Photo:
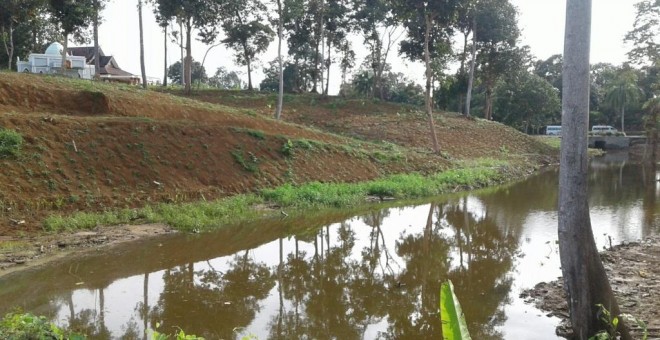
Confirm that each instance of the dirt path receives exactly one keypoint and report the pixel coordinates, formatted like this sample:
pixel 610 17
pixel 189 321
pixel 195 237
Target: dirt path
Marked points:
pixel 20 253
pixel 634 272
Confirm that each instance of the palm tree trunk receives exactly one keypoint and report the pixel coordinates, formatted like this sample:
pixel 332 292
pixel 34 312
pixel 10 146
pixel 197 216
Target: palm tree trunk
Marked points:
pixel 188 60
pixel 623 114
pixel 97 59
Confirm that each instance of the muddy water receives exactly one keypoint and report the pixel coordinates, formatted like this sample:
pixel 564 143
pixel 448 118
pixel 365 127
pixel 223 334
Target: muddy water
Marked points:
pixel 372 273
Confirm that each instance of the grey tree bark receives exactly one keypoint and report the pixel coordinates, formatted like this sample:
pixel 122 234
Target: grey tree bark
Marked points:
pixel 280 93
pixel 165 54
pixel 585 279
pixel 97 61
pixel 427 97
pixel 468 96
pixel 142 68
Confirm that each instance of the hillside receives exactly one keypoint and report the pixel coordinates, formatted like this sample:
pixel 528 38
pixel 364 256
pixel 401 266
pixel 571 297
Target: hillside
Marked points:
pixel 93 146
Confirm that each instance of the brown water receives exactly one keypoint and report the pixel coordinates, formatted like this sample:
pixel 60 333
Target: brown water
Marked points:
pixel 370 273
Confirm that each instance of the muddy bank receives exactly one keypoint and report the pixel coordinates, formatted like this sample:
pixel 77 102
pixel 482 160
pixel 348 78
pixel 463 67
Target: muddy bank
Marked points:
pixel 20 253
pixel 634 273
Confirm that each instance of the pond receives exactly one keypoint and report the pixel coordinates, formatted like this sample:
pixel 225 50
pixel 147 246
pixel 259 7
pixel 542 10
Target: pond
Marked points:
pixel 369 273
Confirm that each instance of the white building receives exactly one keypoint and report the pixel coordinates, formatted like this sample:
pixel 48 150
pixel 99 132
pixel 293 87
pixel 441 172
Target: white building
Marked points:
pixel 51 62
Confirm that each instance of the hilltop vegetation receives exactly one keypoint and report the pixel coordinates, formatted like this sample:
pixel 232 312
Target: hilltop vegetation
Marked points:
pixel 93 147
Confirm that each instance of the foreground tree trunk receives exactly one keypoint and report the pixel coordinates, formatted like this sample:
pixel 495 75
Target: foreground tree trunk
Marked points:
pixel 427 97
pixel 142 69
pixel 9 47
pixel 65 47
pixel 280 92
pixel 585 279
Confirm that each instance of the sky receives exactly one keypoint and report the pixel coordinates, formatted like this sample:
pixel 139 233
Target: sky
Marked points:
pixel 541 21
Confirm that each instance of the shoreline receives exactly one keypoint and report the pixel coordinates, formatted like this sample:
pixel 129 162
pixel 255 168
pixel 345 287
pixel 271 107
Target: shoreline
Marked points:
pixel 22 253
pixel 633 270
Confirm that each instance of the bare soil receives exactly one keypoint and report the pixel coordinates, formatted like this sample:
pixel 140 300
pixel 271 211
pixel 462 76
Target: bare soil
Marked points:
pixel 91 147
pixel 634 273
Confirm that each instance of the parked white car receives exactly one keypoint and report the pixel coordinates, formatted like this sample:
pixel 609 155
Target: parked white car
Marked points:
pixel 603 129
pixel 553 130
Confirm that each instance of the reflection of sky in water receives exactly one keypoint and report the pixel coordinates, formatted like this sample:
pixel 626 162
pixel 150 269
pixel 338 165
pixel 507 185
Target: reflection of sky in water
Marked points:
pixel 536 259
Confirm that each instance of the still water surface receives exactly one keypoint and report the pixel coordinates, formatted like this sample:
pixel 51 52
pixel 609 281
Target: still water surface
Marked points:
pixel 373 273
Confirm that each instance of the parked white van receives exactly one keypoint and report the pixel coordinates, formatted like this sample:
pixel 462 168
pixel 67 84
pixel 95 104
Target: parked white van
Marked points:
pixel 553 130
pixel 603 129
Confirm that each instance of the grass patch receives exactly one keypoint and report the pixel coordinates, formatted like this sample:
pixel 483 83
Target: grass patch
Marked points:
pixel 10 143
pixel 249 163
pixel 187 217
pixel 553 142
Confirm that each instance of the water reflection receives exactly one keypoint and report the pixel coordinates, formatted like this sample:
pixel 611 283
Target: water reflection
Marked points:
pixel 375 275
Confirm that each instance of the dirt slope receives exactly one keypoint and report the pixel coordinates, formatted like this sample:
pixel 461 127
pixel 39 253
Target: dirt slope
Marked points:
pixel 92 146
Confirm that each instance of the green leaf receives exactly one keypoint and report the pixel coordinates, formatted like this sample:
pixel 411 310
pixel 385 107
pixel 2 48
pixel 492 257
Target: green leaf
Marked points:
pixel 454 326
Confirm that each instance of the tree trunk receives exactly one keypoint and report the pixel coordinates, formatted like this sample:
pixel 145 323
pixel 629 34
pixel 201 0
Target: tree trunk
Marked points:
pixel 327 78
pixel 249 67
pixel 64 48
pixel 488 110
pixel 97 60
pixel 142 69
pixel 322 45
pixel 468 96
pixel 623 114
pixel 10 47
pixel 585 279
pixel 183 61
pixel 427 97
pixel 188 61
pixel 165 54
pixel 280 76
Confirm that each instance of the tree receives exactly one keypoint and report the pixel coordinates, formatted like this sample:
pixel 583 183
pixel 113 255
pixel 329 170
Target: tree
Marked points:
pixel 280 76
pixel 622 92
pixel 245 33
pixel 585 280
pixel 191 14
pixel 15 15
pixel 429 26
pixel 226 80
pixel 198 73
pixel 550 70
pixel 99 5
pixel 644 36
pixel 73 17
pixel 526 102
pixel 496 34
pixel 142 69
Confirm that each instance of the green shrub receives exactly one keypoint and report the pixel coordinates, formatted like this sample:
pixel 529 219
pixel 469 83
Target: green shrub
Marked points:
pixel 10 143
pixel 19 326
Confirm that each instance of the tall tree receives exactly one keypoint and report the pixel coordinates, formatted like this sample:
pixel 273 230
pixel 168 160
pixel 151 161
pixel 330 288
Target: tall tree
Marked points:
pixel 496 35
pixel 280 77
pixel 198 72
pixel 142 68
pixel 73 17
pixel 17 19
pixel 429 25
pixel 99 5
pixel 191 14
pixel 245 33
pixel 585 279
pixel 644 36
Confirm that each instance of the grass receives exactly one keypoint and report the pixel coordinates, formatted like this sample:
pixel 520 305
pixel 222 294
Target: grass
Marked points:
pixel 10 143
pixel 201 216
pixel 13 246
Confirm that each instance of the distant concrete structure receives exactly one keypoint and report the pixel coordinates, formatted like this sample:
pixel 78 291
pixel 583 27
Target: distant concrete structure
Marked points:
pixel 51 62
pixel 80 63
pixel 609 142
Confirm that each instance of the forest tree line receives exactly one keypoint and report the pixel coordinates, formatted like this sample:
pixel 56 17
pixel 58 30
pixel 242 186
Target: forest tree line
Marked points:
pixel 475 62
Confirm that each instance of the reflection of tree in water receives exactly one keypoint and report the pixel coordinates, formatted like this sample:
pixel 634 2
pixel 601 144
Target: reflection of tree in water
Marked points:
pixel 481 279
pixel 89 321
pixel 333 293
pixel 210 303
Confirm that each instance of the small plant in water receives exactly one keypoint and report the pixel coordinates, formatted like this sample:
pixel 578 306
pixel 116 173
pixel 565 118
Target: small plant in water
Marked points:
pixel 179 334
